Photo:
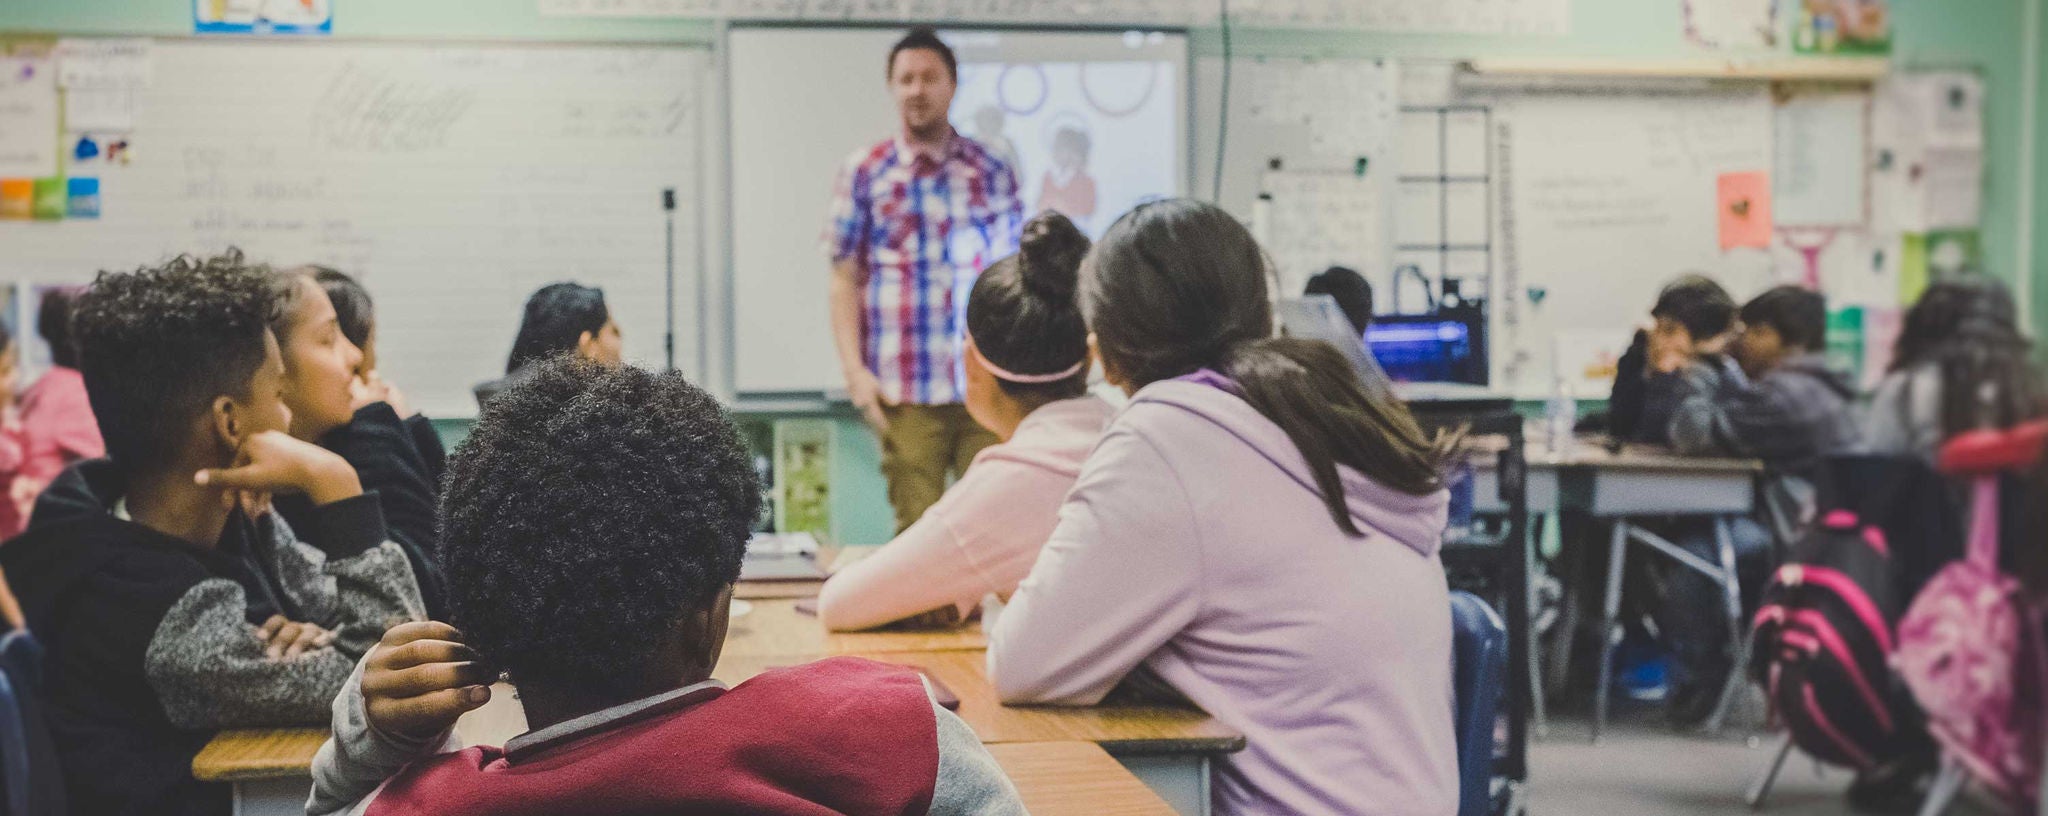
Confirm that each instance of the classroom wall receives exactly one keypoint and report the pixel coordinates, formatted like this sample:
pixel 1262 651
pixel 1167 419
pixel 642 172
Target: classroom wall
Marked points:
pixel 1987 35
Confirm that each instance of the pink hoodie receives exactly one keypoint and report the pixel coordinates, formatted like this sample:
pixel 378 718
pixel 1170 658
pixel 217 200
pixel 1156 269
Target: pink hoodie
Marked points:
pixel 1195 545
pixel 983 535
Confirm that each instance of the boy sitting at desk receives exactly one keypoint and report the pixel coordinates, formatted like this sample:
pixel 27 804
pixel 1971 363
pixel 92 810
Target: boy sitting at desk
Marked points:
pixel 1693 323
pixel 592 530
pixel 1780 403
pixel 170 600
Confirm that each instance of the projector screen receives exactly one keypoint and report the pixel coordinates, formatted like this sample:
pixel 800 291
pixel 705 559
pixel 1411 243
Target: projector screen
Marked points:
pixel 1091 122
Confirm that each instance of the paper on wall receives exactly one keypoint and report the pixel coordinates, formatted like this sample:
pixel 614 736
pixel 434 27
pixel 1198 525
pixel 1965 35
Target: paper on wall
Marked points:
pixel 1952 181
pixel 110 110
pixel 1731 23
pixel 28 117
pixel 1820 173
pixel 1347 109
pixel 1318 220
pixel 102 63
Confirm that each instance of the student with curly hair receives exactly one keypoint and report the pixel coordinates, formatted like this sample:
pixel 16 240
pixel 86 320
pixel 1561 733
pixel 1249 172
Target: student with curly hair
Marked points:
pixel 171 603
pixel 1027 382
pixel 592 529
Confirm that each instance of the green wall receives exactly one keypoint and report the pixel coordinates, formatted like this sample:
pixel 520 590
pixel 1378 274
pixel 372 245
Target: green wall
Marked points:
pixel 1985 35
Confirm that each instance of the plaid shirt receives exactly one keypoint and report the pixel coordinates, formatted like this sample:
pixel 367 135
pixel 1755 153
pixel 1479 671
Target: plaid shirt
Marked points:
pixel 921 228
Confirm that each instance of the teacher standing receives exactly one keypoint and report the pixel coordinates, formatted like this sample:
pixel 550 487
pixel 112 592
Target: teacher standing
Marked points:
pixel 914 220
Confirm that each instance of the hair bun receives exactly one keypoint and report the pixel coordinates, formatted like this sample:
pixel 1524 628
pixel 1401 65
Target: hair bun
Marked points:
pixel 1051 250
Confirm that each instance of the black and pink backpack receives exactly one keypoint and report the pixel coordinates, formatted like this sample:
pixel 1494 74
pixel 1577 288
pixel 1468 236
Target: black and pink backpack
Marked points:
pixel 1824 638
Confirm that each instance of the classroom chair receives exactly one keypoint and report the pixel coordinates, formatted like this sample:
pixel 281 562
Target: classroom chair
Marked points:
pixel 1479 646
pixel 29 781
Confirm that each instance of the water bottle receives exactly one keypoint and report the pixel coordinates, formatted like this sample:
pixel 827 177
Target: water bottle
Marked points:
pixel 1560 416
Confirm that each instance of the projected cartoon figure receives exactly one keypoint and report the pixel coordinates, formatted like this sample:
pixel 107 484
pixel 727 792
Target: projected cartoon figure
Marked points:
pixel 1067 187
pixel 988 130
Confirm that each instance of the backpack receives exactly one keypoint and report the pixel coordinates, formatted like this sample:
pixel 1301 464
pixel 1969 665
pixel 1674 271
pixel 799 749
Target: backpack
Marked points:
pixel 1972 651
pixel 1823 644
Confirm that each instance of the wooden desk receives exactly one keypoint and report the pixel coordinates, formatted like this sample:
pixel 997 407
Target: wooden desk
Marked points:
pixel 1075 777
pixel 1120 730
pixel 271 774
pixel 775 629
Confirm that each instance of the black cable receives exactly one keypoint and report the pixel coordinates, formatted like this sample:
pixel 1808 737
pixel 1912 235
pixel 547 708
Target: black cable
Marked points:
pixel 1223 106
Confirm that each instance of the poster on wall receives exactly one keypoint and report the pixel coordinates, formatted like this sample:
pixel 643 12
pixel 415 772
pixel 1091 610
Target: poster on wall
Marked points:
pixel 309 17
pixel 1734 24
pixel 1862 27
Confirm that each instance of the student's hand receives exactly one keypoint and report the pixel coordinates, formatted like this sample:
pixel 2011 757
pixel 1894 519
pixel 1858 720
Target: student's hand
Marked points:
pixel 866 392
pixel 1670 349
pixel 366 390
pixel 285 639
pixel 274 462
pixel 420 679
pixel 395 398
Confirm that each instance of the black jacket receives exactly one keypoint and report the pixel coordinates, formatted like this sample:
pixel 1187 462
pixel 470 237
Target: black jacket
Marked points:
pixel 150 644
pixel 386 453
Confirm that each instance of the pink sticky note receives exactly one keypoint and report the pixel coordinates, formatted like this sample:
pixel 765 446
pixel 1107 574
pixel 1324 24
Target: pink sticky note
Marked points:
pixel 1744 205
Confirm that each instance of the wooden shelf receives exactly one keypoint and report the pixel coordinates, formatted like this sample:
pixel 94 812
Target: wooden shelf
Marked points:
pixel 1760 69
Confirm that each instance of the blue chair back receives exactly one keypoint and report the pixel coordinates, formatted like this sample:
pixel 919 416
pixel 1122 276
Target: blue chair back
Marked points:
pixel 30 784
pixel 1479 648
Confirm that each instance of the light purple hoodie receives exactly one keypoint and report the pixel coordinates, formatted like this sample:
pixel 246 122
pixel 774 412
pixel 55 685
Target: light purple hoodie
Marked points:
pixel 1195 544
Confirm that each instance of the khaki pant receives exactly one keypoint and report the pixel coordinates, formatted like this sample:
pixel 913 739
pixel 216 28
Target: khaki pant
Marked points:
pixel 923 444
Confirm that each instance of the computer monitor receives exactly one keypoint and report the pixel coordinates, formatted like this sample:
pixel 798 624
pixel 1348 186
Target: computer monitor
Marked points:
pixel 1442 347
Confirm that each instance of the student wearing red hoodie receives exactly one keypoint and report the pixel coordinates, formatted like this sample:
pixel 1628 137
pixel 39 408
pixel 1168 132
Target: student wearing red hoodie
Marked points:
pixel 592 530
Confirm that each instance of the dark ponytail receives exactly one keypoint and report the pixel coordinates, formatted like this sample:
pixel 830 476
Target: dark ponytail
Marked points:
pixel 1022 313
pixel 1177 286
pixel 557 317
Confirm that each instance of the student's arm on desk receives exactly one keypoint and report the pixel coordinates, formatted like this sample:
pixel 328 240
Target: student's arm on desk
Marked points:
pixel 924 569
pixel 963 548
pixel 1117 581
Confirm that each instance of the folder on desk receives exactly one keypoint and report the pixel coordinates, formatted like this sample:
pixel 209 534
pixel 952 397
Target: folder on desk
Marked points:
pixel 781 567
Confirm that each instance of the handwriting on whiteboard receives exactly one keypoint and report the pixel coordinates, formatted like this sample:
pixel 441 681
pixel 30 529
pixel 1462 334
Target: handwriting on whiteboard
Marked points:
pixel 366 110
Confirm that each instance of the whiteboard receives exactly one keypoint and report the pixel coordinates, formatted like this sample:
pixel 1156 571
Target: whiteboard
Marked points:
pixel 1607 197
pixel 801 100
pixel 453 180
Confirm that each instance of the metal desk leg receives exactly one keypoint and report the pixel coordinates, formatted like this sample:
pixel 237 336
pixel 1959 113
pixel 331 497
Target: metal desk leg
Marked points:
pixel 1610 631
pixel 1180 779
pixel 1738 640
pixel 1538 715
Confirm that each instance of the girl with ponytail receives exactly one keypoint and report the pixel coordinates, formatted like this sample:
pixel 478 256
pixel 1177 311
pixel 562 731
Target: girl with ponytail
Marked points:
pixel 1027 364
pixel 1255 529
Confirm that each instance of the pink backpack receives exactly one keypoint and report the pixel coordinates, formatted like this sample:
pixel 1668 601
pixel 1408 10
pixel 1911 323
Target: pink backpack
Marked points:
pixel 1971 649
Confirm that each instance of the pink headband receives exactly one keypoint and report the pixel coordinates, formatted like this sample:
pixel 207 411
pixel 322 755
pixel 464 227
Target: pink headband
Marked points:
pixel 1029 379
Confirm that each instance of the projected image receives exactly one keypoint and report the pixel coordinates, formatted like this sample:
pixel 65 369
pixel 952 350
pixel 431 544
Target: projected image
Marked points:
pixel 1087 139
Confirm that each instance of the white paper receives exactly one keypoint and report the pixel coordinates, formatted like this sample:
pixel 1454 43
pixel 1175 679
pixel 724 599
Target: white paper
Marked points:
pixel 1346 108
pixel 28 117
pixel 1508 17
pixel 101 110
pixel 102 63
pixel 1953 179
pixel 1822 167
pixel 1731 23
pixel 1002 11
pixel 1319 220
